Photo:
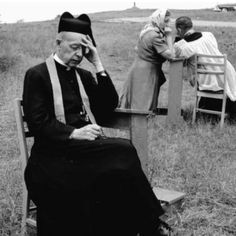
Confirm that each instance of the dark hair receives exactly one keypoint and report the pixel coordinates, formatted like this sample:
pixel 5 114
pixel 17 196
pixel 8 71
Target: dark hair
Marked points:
pixel 184 22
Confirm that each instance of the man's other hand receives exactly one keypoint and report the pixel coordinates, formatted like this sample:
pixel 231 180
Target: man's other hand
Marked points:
pixel 88 132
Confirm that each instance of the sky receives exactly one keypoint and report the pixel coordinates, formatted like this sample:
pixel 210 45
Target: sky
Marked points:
pixel 12 11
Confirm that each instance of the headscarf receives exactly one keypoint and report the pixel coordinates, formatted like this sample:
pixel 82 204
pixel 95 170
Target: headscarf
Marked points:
pixel 155 22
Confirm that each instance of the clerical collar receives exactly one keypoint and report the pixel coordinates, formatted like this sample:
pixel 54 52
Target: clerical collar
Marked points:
pixel 191 31
pixel 189 36
pixel 192 36
pixel 57 59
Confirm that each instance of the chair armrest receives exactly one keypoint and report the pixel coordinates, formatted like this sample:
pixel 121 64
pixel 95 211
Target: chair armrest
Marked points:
pixel 122 118
pixel 132 111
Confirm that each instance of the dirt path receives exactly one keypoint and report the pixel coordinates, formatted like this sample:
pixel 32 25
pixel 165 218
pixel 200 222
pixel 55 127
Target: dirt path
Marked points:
pixel 195 22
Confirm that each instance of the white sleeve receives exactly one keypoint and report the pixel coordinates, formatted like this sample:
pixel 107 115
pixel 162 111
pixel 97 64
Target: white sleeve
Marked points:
pixel 183 49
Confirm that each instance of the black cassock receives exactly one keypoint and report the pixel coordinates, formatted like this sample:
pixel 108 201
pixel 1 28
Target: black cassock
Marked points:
pixel 81 187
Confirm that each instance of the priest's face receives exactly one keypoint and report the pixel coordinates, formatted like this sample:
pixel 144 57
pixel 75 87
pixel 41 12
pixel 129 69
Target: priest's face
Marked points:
pixel 69 48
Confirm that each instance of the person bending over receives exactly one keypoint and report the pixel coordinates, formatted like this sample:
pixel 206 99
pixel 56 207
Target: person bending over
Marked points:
pixel 141 90
pixel 190 42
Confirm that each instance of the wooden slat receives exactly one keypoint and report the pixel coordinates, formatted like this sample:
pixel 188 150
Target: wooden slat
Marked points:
pixel 208 56
pixel 31 222
pixel 158 111
pixel 202 71
pixel 33 208
pixel 211 91
pixel 200 63
pixel 132 111
pixel 209 111
pixel 168 196
pixel 210 95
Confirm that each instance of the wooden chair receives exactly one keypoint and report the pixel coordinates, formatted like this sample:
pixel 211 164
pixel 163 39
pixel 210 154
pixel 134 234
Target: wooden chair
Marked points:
pixel 135 122
pixel 205 65
pixel 23 133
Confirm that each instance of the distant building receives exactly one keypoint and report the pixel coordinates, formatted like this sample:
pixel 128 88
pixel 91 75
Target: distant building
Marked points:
pixel 225 7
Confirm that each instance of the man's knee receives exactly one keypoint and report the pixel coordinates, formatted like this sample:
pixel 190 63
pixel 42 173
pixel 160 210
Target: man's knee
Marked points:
pixel 126 151
pixel 126 146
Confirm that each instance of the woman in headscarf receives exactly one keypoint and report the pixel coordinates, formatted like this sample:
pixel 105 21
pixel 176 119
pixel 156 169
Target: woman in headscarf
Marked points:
pixel 141 89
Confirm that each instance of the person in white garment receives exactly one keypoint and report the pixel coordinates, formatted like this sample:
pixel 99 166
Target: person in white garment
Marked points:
pixel 189 42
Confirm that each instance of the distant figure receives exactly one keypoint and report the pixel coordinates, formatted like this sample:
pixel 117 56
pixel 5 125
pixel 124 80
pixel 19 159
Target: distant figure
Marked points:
pixel 141 89
pixel 190 42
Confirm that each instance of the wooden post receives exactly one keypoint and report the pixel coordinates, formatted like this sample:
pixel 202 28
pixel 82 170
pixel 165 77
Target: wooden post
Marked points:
pixel 139 137
pixel 136 123
pixel 175 91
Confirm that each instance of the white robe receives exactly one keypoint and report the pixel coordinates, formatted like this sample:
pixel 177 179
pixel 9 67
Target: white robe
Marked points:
pixel 207 44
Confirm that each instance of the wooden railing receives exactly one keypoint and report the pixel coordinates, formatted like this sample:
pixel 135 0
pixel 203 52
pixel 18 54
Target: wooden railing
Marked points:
pixel 136 121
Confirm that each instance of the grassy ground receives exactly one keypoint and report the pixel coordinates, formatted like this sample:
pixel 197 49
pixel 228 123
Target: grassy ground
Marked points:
pixel 198 159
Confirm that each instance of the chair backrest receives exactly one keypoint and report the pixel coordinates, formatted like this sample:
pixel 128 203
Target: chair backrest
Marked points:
pixel 207 65
pixel 22 131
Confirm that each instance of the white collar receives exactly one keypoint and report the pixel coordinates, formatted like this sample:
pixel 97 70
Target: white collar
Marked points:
pixel 57 59
pixel 191 31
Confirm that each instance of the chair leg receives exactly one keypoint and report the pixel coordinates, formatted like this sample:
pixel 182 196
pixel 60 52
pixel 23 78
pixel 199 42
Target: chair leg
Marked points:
pixel 194 110
pixel 194 115
pixel 25 206
pixel 222 118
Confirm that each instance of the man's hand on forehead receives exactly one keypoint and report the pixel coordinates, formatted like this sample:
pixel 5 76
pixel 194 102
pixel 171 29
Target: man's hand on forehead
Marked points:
pixel 92 54
pixel 86 41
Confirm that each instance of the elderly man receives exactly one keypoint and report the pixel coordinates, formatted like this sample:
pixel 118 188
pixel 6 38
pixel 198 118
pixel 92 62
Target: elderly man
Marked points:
pixel 82 182
pixel 190 42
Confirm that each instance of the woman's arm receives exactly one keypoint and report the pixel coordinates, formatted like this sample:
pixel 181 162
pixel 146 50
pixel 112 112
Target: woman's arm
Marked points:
pixel 163 45
pixel 169 53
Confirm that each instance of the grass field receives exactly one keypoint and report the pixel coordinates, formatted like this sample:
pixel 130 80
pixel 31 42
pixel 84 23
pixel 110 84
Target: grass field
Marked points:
pixel 197 159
